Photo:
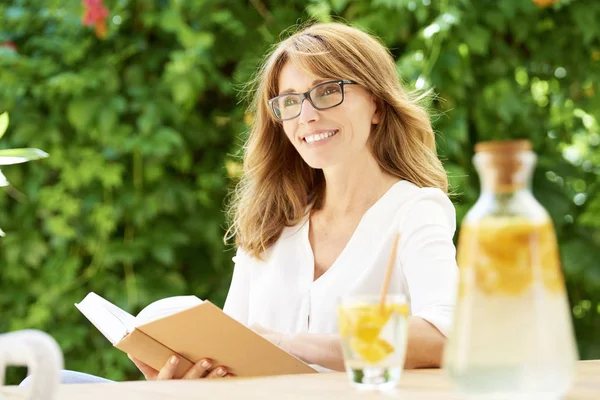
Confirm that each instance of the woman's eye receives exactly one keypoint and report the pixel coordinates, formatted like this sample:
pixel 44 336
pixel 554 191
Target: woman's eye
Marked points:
pixel 290 101
pixel 330 90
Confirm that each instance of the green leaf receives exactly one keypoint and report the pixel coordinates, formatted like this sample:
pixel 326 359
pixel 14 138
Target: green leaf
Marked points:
pixel 591 216
pixel 3 123
pixel 183 92
pixel 3 180
pixel 339 5
pixel 80 112
pixel 17 156
pixel 164 254
pixel 319 11
pixel 478 40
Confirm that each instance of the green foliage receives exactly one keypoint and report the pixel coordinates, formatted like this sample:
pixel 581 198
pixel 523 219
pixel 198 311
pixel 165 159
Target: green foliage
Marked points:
pixel 140 127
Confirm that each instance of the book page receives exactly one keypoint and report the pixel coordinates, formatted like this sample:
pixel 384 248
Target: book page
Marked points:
pixel 109 319
pixel 164 307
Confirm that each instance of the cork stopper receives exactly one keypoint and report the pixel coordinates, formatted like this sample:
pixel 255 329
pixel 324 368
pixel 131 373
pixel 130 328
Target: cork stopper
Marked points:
pixel 504 166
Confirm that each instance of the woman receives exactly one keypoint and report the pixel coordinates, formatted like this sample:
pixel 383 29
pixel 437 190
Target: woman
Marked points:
pixel 338 160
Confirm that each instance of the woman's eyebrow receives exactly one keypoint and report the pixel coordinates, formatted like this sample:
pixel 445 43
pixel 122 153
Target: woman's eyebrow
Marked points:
pixel 313 84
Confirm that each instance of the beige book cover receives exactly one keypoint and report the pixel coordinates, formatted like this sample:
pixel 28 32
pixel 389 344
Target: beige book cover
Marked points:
pixel 193 329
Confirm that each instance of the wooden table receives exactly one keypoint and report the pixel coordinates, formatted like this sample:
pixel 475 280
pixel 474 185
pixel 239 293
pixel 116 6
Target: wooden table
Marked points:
pixel 429 384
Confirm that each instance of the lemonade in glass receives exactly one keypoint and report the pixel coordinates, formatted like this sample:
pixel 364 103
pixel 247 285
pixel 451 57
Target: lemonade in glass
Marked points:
pixel 373 339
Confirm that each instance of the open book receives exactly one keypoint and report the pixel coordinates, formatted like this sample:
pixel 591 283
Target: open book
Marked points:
pixel 193 329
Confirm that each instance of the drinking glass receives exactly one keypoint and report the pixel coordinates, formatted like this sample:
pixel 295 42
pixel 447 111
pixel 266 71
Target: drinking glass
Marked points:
pixel 373 339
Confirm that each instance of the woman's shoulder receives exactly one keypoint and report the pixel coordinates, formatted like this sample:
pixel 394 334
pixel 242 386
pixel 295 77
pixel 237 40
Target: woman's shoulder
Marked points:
pixel 408 194
pixel 421 204
pixel 241 256
pixel 289 240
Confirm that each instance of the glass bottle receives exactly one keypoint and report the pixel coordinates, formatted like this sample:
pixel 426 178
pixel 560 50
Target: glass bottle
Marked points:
pixel 512 336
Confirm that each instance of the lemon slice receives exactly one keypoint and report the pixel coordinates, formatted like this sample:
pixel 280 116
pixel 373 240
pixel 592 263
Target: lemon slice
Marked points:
pixel 344 323
pixel 373 351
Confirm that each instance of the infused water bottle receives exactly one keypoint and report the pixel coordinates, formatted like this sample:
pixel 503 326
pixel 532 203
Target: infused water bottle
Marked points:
pixel 512 336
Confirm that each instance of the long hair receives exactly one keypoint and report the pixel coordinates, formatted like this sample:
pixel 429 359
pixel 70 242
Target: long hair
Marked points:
pixel 277 187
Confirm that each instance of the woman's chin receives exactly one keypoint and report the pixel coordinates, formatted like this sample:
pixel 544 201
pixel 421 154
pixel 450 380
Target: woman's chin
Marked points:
pixel 319 163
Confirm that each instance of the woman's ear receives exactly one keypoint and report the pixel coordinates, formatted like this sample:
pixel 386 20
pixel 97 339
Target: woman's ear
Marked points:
pixel 377 115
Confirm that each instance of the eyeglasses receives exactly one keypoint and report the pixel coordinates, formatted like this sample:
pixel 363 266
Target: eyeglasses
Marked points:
pixel 322 97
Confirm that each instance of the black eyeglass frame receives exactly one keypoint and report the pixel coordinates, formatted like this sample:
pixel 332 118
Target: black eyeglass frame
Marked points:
pixel 306 95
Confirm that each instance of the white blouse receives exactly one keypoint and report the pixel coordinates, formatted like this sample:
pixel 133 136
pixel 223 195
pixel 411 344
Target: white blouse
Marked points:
pixel 280 293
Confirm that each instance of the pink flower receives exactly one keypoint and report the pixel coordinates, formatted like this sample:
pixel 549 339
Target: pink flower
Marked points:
pixel 10 44
pixel 95 14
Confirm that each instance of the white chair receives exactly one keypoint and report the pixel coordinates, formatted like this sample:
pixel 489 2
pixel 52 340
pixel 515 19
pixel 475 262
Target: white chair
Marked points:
pixel 42 356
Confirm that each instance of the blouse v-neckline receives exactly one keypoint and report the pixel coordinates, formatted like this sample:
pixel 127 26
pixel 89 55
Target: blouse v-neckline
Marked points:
pixel 347 248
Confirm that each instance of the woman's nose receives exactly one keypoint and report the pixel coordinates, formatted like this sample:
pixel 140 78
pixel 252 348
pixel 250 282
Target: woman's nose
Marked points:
pixel 308 113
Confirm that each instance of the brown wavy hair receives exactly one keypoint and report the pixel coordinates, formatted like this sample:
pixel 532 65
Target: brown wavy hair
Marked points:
pixel 277 187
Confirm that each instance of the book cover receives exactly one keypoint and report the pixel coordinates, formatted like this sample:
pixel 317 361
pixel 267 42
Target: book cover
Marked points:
pixel 193 329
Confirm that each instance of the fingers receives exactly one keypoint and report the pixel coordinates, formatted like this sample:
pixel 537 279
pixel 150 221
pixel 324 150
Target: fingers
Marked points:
pixel 259 329
pixel 168 370
pixel 273 338
pixel 199 369
pixel 202 369
pixel 149 372
pixel 218 372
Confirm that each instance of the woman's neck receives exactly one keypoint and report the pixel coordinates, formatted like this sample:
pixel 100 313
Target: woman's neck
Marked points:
pixel 354 188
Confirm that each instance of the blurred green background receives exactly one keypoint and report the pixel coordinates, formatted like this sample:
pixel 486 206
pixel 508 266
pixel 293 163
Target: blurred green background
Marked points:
pixel 143 125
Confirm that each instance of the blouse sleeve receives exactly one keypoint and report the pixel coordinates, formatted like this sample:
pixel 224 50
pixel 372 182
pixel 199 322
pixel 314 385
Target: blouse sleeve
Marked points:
pixel 428 257
pixel 236 304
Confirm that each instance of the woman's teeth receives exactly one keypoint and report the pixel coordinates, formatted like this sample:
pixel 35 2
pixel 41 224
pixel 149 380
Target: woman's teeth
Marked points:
pixel 319 136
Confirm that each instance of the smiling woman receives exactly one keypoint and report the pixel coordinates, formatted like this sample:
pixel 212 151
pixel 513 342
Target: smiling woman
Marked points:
pixel 400 137
pixel 338 161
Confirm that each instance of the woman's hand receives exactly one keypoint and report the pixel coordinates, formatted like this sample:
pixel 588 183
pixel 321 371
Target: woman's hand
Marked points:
pixel 278 339
pixel 312 348
pixel 202 369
